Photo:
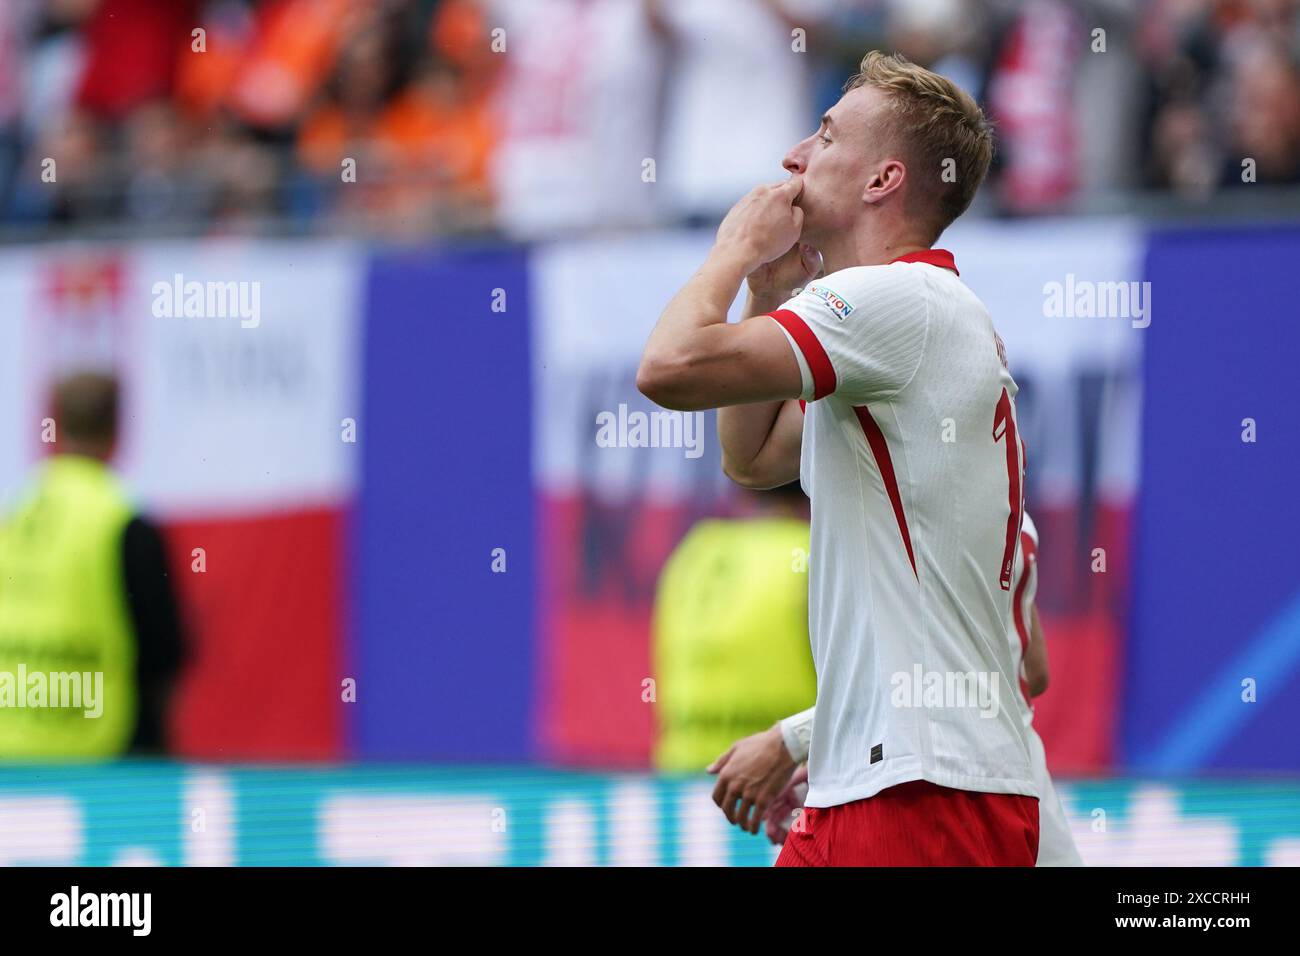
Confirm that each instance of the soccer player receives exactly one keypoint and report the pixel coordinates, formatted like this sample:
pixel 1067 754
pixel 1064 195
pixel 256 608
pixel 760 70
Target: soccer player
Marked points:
pixel 771 753
pixel 908 449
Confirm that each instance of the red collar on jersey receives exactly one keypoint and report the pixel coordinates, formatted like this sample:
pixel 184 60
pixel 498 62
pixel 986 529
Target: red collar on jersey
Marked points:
pixel 934 257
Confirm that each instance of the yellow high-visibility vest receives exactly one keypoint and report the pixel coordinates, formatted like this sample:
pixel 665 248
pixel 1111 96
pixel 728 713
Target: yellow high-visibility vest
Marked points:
pixel 731 647
pixel 67 647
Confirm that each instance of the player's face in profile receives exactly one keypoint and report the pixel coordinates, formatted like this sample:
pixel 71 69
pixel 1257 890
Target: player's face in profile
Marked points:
pixel 834 163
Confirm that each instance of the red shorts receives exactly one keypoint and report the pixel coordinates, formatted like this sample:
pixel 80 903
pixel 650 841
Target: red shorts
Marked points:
pixel 917 824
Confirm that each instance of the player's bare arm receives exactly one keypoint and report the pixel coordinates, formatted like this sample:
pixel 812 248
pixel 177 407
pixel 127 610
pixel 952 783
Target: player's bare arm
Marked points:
pixel 761 441
pixel 1036 656
pixel 694 359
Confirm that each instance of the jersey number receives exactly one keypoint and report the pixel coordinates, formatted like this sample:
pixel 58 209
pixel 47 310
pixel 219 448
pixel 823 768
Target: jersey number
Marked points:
pixel 1004 427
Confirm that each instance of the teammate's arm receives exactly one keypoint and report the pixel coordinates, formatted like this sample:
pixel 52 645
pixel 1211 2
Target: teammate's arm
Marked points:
pixel 1036 656
pixel 755 769
pixel 694 359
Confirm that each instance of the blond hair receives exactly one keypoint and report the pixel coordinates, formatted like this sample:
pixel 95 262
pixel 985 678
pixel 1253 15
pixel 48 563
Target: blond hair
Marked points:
pixel 935 122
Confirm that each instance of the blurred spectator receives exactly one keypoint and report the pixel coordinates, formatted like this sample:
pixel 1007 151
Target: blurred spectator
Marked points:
pixel 1031 98
pixel 1107 106
pixel 160 182
pixel 284 57
pixel 739 96
pixel 1264 106
pixel 419 145
pixel 949 36
pixel 443 136
pixel 244 174
pixel 67 177
pixel 577 106
pixel 10 94
pixel 354 122
pixel 459 34
pixel 131 49
pixel 84 597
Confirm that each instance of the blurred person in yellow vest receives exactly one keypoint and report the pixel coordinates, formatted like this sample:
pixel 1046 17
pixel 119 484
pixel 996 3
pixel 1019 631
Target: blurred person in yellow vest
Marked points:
pixel 731 629
pixel 90 637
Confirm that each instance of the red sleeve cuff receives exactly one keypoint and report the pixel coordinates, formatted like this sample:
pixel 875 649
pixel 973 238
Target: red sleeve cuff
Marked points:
pixel 819 363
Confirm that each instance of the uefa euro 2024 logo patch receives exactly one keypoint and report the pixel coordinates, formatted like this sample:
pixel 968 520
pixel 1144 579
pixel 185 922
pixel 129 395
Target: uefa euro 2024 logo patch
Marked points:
pixel 841 308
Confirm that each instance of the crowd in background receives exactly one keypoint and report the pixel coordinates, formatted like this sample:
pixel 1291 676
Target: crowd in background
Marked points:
pixel 410 117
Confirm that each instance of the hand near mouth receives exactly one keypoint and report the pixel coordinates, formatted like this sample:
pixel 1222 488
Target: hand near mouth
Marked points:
pixel 778 279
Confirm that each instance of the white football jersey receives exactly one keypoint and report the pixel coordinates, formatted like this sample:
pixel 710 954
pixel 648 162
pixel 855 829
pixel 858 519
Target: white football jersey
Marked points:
pixel 912 460
pixel 1055 842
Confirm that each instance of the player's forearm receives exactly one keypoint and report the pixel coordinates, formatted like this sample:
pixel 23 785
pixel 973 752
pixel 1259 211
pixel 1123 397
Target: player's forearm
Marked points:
pixel 670 357
pixel 744 430
pixel 759 451
pixel 1036 675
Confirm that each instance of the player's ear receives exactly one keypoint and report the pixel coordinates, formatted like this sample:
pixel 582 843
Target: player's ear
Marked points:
pixel 885 179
